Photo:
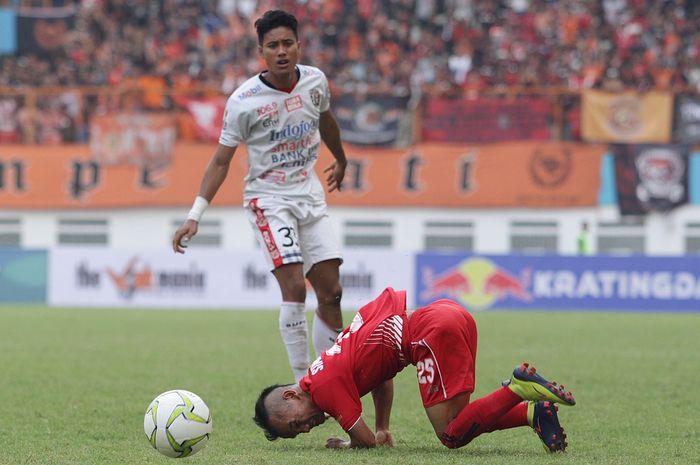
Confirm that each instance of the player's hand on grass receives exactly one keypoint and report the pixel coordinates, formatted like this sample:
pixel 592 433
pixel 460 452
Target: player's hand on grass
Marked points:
pixel 337 443
pixel 384 438
pixel 183 235
pixel 335 177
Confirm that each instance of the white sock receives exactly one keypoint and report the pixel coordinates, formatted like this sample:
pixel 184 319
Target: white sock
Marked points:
pixel 295 333
pixel 322 334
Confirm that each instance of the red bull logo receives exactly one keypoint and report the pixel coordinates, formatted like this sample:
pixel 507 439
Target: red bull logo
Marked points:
pixel 476 282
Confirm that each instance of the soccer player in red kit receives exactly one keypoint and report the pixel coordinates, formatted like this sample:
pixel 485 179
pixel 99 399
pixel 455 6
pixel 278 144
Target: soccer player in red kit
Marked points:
pixel 440 339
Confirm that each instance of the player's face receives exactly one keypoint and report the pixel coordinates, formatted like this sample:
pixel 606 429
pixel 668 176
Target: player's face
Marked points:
pixel 280 49
pixel 299 417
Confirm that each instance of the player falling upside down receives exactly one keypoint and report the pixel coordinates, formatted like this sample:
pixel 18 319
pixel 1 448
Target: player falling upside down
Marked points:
pixel 440 339
pixel 282 115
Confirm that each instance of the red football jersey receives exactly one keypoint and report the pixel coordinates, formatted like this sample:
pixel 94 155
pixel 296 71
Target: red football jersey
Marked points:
pixel 367 353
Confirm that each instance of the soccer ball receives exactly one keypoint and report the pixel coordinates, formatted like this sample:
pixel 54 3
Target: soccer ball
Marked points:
pixel 177 423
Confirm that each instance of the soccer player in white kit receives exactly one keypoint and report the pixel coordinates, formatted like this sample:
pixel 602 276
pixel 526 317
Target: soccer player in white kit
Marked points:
pixel 281 115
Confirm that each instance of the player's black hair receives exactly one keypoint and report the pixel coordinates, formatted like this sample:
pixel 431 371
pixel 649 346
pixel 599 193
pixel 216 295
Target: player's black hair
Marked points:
pixel 262 416
pixel 272 19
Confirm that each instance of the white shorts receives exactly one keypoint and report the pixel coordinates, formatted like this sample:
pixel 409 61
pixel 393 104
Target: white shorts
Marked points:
pixel 292 232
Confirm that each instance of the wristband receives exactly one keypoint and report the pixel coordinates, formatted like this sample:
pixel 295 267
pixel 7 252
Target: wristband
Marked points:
pixel 200 204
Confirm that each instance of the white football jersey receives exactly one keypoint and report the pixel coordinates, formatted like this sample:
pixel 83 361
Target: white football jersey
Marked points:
pixel 280 131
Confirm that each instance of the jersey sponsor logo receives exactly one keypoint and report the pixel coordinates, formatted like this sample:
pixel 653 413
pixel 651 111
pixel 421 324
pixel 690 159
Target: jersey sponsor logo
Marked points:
pixel 269 115
pixel 271 247
pixel 270 122
pixel 266 233
pixel 293 103
pixel 293 145
pixel 274 176
pixel 297 156
pixel 265 109
pixel 289 156
pixel 294 131
pixel 250 92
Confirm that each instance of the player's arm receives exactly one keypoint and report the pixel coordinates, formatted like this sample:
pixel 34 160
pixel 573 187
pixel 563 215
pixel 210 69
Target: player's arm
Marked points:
pixel 213 178
pixel 216 171
pixel 360 437
pixel 383 396
pixel 330 134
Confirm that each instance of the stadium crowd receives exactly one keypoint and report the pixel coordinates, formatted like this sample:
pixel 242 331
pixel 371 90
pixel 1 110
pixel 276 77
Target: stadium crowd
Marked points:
pixel 435 47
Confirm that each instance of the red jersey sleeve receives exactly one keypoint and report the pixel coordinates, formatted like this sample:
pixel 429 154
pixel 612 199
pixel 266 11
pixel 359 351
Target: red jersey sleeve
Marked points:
pixel 335 394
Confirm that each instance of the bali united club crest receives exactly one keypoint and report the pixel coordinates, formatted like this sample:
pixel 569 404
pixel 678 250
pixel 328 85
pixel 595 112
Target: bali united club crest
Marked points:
pixel 315 95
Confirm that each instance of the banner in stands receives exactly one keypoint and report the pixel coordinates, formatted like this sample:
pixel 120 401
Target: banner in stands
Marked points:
pixel 626 117
pixel 201 278
pixel 486 120
pixel 9 126
pixel 8 31
pixel 650 177
pixel 43 31
pixel 206 116
pixel 542 282
pixel 519 174
pixel 23 276
pixel 132 139
pixel 687 119
pixel 370 120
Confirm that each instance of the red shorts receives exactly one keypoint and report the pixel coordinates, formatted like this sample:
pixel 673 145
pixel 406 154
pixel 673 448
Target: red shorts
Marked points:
pixel 443 349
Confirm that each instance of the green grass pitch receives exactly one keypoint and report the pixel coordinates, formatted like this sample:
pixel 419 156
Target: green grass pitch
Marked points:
pixel 75 383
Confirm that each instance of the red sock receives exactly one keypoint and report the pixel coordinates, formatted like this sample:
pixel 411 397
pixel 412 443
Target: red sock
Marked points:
pixel 517 416
pixel 500 408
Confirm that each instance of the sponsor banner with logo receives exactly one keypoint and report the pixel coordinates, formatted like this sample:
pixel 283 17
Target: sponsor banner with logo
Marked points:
pixel 370 120
pixel 687 119
pixel 101 277
pixel 627 117
pixel 651 177
pixel 133 139
pixel 23 276
pixel 43 31
pixel 486 120
pixel 207 115
pixel 489 282
pixel 519 174
pixel 229 279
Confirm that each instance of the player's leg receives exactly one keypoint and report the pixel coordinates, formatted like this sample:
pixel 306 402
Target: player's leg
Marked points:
pixel 505 408
pixel 276 230
pixel 328 320
pixel 322 260
pixel 292 317
pixel 445 358
pixel 502 409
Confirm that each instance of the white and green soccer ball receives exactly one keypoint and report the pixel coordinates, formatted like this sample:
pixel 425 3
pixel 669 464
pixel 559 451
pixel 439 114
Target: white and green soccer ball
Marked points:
pixel 177 423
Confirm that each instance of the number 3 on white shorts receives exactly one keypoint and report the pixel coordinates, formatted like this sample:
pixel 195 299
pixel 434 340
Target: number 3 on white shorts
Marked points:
pixel 426 371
